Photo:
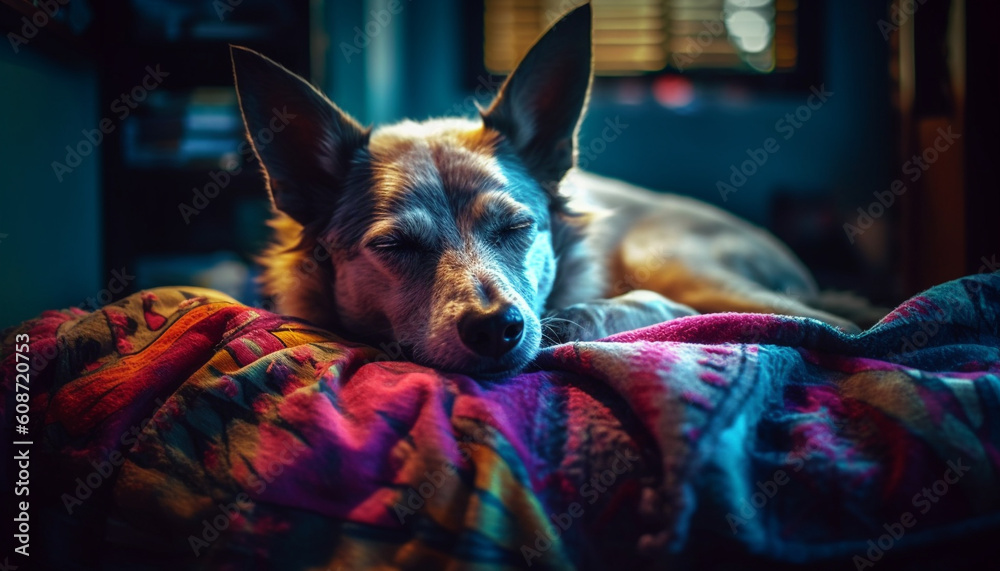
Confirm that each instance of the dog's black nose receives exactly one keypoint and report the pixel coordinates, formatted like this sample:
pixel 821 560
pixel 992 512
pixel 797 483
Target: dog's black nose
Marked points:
pixel 492 335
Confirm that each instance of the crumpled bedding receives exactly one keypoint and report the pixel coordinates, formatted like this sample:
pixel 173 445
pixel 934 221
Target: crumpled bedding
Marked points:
pixel 177 428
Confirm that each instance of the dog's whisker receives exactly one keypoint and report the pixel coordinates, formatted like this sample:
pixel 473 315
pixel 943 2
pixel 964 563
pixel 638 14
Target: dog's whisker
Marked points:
pixel 549 320
pixel 549 340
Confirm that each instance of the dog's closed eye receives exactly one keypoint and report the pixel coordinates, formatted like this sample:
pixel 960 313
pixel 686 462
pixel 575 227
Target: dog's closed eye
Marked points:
pixel 518 226
pixel 398 244
pixel 409 233
pixel 510 230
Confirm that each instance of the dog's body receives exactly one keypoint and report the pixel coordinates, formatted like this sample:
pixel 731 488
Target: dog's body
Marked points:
pixel 471 242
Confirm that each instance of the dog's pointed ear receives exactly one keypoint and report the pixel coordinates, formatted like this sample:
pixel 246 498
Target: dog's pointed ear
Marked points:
pixel 539 106
pixel 304 142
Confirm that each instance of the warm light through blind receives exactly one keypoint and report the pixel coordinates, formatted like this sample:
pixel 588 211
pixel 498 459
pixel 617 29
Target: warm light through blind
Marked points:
pixel 635 36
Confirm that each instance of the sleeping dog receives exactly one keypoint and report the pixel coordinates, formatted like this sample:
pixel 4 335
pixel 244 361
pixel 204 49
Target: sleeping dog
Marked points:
pixel 473 242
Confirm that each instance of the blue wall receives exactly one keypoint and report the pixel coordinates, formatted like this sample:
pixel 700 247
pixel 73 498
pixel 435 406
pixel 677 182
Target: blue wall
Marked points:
pixel 51 256
pixel 843 149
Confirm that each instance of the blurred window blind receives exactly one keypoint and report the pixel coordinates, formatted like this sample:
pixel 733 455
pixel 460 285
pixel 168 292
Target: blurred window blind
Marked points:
pixel 640 36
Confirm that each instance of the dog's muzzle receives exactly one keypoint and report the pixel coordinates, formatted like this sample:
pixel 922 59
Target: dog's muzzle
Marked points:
pixel 494 334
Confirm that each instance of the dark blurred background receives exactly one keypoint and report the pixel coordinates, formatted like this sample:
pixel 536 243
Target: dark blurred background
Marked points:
pixel 120 132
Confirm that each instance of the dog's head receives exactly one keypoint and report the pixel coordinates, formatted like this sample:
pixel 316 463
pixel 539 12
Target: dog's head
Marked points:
pixel 443 236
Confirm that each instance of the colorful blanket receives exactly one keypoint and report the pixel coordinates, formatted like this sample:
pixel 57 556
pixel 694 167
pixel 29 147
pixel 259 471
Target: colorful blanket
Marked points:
pixel 179 429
